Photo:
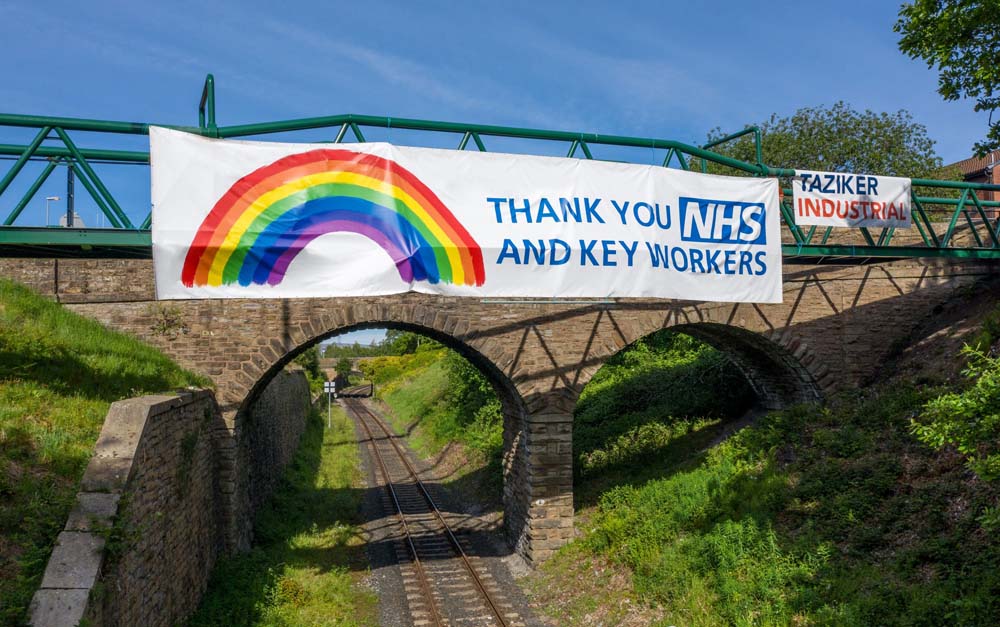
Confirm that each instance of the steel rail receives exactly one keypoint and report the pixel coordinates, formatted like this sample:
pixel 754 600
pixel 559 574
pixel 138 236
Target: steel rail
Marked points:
pixel 434 508
pixel 421 573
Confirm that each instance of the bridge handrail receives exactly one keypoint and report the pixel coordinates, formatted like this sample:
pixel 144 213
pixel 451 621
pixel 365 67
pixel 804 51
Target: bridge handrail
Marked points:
pixel 967 204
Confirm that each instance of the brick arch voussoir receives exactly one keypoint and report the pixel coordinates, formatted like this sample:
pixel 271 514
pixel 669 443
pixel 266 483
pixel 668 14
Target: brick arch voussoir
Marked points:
pixel 266 357
pixel 798 348
pixel 790 350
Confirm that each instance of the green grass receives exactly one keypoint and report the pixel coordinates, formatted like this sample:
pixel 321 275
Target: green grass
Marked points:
pixel 445 397
pixel 657 402
pixel 308 557
pixel 59 372
pixel 813 516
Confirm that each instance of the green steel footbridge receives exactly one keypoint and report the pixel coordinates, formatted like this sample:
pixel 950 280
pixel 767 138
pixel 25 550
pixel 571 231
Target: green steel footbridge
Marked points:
pixel 950 218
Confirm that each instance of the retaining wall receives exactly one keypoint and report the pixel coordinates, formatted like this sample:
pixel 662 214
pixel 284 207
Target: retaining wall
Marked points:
pixel 148 525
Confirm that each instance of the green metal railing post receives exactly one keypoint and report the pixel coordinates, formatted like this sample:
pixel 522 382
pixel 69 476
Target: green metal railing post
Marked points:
pixel 206 107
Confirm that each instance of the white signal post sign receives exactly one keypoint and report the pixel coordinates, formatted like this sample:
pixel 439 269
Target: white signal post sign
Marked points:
pixel 330 387
pixel 851 200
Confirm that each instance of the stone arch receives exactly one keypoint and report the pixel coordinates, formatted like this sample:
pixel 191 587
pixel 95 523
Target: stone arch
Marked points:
pixel 448 329
pixel 777 367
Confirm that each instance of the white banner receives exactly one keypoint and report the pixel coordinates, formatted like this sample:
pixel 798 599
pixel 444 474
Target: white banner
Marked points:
pixel 237 219
pixel 854 200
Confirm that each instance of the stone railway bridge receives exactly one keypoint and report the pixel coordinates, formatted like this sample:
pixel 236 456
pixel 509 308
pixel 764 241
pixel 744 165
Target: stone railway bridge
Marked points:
pixel 836 326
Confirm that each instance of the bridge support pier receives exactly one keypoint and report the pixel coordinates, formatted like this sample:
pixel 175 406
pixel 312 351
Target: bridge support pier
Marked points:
pixel 549 518
pixel 538 476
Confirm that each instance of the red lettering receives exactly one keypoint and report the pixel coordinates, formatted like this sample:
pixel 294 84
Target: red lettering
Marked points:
pixel 811 206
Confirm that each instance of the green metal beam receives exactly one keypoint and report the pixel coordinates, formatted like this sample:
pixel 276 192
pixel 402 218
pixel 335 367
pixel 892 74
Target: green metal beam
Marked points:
pixel 59 236
pixel 25 154
pixel 488 130
pixel 30 193
pixel 96 180
pixel 83 124
pixel 900 252
pixel 63 237
pixel 125 156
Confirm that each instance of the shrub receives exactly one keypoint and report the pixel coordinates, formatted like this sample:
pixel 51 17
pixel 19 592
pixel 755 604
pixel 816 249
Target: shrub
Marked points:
pixel 968 420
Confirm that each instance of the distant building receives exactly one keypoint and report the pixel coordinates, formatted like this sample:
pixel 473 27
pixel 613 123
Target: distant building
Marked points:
pixel 77 221
pixel 981 170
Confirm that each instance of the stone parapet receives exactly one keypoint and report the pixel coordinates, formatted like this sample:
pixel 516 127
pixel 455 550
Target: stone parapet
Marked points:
pixel 167 488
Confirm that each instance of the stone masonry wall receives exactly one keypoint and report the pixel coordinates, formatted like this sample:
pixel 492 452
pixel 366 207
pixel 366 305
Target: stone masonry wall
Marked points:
pixel 835 327
pixel 270 434
pixel 143 537
pixel 150 520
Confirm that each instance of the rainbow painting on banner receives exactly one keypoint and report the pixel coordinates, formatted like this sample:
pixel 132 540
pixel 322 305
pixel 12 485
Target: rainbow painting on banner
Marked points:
pixel 259 225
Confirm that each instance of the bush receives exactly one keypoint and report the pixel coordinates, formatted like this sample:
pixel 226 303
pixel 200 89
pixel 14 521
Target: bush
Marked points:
pixel 662 387
pixel 968 420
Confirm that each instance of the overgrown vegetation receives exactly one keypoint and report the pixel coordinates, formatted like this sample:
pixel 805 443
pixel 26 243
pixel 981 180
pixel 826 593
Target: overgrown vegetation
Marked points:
pixel 661 388
pixel 446 399
pixel 968 420
pixel 59 372
pixel 812 516
pixel 309 360
pixel 308 558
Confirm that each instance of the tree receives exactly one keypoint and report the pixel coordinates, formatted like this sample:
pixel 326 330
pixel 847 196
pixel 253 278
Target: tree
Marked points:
pixel 344 367
pixel 962 39
pixel 309 360
pixel 839 139
pixel 400 342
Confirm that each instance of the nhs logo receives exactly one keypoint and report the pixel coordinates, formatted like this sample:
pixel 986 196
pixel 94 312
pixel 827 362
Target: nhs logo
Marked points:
pixel 722 221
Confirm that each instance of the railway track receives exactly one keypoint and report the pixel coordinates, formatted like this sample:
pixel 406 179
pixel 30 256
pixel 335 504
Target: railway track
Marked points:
pixel 444 585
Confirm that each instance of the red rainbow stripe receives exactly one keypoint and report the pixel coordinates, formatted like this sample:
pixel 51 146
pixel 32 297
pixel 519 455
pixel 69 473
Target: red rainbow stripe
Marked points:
pixel 227 210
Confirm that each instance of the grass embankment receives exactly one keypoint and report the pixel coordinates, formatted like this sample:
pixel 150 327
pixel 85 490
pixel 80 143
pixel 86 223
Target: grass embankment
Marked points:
pixel 59 373
pixel 837 515
pixel 308 558
pixel 813 516
pixel 437 397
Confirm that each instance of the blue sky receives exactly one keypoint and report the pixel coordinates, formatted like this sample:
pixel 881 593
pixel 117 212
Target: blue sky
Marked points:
pixel 659 69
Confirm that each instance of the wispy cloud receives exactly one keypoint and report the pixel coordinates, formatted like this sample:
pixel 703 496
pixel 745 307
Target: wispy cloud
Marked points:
pixel 448 86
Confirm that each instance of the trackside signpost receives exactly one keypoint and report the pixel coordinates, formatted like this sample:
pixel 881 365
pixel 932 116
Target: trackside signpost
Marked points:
pixel 330 387
pixel 851 200
pixel 237 219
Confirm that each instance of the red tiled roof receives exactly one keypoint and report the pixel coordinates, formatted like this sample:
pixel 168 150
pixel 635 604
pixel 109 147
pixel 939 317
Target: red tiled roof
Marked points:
pixel 975 165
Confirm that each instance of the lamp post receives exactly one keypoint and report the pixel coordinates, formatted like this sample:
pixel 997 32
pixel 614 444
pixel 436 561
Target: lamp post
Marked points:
pixel 47 200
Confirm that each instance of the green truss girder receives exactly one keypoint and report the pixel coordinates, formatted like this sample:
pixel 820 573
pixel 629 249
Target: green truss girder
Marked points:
pixel 967 211
pixel 138 243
